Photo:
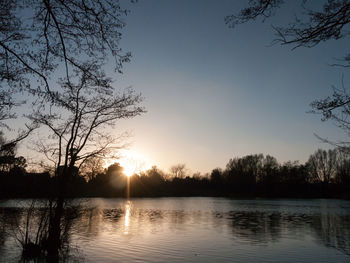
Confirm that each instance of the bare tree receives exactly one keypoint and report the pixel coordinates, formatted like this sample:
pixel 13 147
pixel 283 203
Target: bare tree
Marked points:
pixel 48 42
pixel 36 36
pixel 43 41
pixel 8 158
pixel 91 167
pixel 318 26
pixel 343 168
pixel 76 126
pixel 322 165
pixel 178 171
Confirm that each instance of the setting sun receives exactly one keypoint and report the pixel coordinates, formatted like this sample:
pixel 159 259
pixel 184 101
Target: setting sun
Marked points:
pixel 132 162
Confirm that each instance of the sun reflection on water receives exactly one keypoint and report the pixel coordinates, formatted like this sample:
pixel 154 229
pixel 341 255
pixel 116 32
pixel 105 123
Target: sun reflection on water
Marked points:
pixel 127 217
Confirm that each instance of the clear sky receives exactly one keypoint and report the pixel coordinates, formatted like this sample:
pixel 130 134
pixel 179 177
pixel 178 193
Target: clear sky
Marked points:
pixel 213 93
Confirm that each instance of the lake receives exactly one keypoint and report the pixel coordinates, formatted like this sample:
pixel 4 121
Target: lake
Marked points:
pixel 197 230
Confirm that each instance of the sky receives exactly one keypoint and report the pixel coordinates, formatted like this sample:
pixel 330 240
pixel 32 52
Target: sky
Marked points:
pixel 213 93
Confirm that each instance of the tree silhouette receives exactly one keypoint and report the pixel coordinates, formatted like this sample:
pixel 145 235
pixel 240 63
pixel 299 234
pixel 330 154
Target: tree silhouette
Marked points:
pixel 50 42
pixel 319 26
pixel 178 170
pixel 322 165
pixel 77 131
pixel 91 167
pixel 36 36
pixel 42 42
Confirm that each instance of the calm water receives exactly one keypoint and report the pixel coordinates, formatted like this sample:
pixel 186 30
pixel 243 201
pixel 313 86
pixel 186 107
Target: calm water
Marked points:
pixel 199 230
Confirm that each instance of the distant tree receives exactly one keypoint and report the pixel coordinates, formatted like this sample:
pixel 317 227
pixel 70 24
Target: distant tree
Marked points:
pixel 91 167
pixel 8 159
pixel 322 165
pixel 114 170
pixel 294 173
pixel 342 175
pixel 178 171
pixel 216 176
pixel 269 170
pixel 155 173
pixel 243 173
pixel 197 176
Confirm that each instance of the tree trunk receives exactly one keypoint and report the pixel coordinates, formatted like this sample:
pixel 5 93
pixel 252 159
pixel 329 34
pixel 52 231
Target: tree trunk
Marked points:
pixel 54 237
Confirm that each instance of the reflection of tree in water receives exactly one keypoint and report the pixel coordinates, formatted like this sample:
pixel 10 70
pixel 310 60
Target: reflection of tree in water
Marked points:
pixel 177 217
pixel 9 218
pixel 259 228
pixel 26 225
pixel 88 222
pixel 333 231
pixel 2 228
pixel 153 215
pixel 113 215
pixel 256 227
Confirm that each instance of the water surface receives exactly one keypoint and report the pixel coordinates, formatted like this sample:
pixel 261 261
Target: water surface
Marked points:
pixel 198 230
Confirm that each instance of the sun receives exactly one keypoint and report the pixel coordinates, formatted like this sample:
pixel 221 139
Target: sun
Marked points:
pixel 132 162
pixel 129 170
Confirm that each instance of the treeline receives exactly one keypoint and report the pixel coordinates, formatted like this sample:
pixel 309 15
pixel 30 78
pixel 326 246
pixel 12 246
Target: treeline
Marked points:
pixel 326 174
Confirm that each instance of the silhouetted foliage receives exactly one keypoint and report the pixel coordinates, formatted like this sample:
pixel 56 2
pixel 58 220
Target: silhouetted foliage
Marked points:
pixel 337 109
pixel 36 37
pixel 318 26
pixel 8 160
pixel 76 126
pixel 42 42
pixel 65 42
pixel 322 165
pixel 326 174
pixel 178 170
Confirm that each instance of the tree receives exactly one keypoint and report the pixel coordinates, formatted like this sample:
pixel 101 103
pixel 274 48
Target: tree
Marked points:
pixel 91 168
pixel 322 165
pixel 42 42
pixel 178 171
pixel 342 175
pixel 37 36
pixel 114 170
pixel 268 174
pixel 50 42
pixel 155 174
pixel 319 26
pixel 76 125
pixel 336 108
pixel 216 176
pixel 243 173
pixel 8 159
pixel 76 122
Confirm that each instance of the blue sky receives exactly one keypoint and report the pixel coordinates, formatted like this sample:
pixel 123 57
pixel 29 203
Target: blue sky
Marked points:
pixel 213 92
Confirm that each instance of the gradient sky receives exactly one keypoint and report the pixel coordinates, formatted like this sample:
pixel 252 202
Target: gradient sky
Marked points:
pixel 213 93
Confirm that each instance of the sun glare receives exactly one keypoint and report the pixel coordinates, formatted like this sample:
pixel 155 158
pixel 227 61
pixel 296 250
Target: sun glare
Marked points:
pixel 132 162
